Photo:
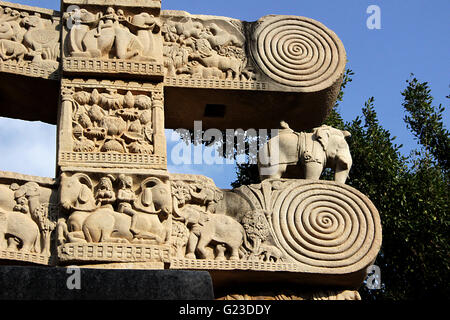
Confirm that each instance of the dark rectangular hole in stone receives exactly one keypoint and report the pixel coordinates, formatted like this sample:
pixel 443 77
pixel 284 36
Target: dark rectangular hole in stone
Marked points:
pixel 215 110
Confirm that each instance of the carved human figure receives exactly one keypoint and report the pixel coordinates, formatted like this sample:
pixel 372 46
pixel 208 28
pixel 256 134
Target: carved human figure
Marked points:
pixel 105 195
pixel 126 198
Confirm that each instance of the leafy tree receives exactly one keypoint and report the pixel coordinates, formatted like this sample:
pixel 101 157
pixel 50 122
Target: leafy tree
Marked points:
pixel 425 122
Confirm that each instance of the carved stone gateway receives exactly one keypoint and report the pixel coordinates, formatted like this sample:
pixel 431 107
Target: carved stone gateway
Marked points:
pixel 125 71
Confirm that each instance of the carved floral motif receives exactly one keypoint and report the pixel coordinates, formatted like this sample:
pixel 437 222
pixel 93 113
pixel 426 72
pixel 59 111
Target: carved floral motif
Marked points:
pixel 109 121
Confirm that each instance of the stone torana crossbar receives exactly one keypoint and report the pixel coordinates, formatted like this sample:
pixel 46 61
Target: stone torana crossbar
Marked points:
pixel 112 75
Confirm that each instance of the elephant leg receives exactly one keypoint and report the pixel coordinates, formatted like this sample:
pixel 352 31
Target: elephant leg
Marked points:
pixel 123 43
pixel 201 246
pixel 341 175
pixel 313 170
pixel 191 246
pixel 272 172
pixel 229 74
pixel 144 235
pixel 234 253
pixel 220 252
pixel 3 241
pixel 76 237
pixel 27 245
pixel 13 243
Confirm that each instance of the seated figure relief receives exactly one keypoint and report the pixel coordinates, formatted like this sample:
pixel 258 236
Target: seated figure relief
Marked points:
pixel 112 34
pixel 112 211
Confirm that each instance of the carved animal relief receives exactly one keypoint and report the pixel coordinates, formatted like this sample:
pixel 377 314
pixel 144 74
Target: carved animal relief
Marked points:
pixel 114 209
pixel 29 41
pixel 28 213
pixel 204 49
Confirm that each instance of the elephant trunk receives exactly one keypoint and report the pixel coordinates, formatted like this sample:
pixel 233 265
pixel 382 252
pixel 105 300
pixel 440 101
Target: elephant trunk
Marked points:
pixel 178 215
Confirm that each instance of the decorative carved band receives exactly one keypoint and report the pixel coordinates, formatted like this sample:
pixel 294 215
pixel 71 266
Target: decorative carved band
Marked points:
pixel 113 252
pixel 176 263
pixel 119 3
pixel 113 158
pixel 215 83
pixel 29 69
pixel 26 257
pixel 112 66
pixel 299 52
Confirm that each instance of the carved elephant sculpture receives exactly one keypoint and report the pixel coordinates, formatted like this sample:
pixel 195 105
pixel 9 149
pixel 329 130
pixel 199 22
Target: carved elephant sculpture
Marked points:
pixel 97 42
pixel 16 225
pixel 19 229
pixel 270 253
pixel 305 155
pixel 206 228
pixel 105 225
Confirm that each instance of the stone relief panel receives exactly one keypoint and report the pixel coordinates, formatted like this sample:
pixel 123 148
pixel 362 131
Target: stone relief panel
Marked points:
pixel 277 52
pixel 204 47
pixel 112 40
pixel 114 217
pixel 208 228
pixel 28 215
pixel 289 225
pixel 115 123
pixel 29 40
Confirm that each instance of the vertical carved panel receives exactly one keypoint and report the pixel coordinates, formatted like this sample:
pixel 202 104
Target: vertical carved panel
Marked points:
pixel 112 124
pixel 119 39
pixel 114 217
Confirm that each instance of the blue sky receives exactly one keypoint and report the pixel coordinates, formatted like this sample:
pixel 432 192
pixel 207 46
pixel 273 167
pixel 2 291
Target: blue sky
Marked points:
pixel 413 39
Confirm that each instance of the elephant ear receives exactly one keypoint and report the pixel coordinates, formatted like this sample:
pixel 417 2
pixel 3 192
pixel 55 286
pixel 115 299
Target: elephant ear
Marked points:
pixel 85 194
pixel 346 133
pixel 147 198
pixel 322 135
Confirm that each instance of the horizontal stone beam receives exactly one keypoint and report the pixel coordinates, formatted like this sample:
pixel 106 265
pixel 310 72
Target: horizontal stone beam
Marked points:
pixel 226 72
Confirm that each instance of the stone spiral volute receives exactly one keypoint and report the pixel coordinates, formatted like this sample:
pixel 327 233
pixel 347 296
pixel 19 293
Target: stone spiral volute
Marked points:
pixel 323 224
pixel 298 52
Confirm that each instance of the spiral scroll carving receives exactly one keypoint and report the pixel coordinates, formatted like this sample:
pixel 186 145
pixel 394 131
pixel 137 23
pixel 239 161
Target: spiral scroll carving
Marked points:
pixel 327 225
pixel 299 52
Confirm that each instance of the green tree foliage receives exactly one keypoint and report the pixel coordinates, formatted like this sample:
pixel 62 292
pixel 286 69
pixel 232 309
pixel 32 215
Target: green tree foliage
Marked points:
pixel 411 193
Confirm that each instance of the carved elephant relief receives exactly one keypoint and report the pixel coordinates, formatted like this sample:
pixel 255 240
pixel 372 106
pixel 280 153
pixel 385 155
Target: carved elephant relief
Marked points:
pixel 218 230
pixel 26 217
pixel 127 217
